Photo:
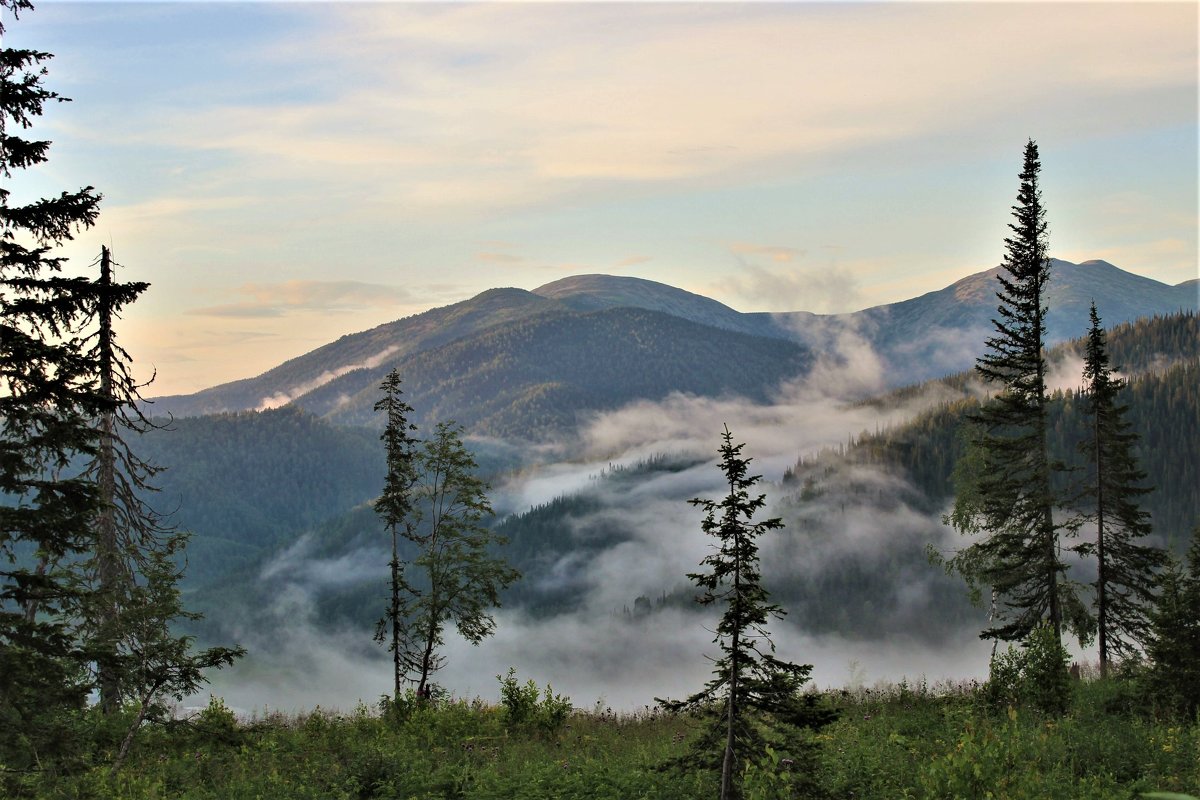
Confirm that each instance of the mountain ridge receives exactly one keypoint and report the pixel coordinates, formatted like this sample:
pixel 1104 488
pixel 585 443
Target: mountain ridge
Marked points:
pixel 936 333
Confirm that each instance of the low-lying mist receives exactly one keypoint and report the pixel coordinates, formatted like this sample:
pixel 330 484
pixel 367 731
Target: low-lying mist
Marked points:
pixel 606 661
pixel 864 604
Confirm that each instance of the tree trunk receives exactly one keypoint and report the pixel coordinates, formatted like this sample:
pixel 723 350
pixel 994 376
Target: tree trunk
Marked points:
pixel 1101 577
pixel 1051 541
pixel 395 615
pixel 108 562
pixel 727 764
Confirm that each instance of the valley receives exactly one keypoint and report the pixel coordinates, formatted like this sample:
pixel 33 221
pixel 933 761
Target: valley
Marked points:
pixel 590 486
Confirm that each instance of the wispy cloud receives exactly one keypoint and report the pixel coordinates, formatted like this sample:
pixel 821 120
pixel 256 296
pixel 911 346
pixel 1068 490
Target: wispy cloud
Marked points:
pixel 805 286
pixel 771 252
pixel 278 299
pixel 283 398
pixel 499 258
pixel 461 107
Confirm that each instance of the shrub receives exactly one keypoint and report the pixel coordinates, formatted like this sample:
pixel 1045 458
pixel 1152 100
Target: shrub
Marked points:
pixel 523 709
pixel 1034 675
pixel 217 721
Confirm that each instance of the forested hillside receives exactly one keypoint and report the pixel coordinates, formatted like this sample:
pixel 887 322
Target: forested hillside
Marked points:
pixel 243 483
pixel 1162 357
pixel 537 378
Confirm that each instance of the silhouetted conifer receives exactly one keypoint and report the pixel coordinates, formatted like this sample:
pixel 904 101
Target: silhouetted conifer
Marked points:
pixel 750 688
pixel 48 401
pixel 1125 568
pixel 1004 487
pixel 395 506
pixel 1174 646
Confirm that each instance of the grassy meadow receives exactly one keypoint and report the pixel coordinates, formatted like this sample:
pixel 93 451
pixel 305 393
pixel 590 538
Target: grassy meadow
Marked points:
pixel 899 741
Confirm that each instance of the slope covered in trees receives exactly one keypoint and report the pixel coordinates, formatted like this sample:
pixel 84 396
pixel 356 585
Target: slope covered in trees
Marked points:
pixel 1160 356
pixel 537 378
pixel 242 483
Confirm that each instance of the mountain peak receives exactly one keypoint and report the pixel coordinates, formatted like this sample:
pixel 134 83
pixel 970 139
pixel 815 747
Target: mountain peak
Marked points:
pixel 598 292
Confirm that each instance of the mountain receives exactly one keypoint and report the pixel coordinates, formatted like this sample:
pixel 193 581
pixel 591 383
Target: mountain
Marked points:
pixel 943 332
pixel 381 345
pixel 541 376
pixel 516 363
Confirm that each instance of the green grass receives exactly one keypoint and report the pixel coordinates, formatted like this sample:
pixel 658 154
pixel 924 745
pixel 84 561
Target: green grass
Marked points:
pixel 897 742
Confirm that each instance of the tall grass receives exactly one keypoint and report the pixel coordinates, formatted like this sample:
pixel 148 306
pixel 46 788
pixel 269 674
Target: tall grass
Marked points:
pixel 898 741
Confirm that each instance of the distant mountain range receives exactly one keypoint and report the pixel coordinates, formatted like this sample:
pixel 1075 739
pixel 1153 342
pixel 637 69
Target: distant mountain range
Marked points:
pixel 515 363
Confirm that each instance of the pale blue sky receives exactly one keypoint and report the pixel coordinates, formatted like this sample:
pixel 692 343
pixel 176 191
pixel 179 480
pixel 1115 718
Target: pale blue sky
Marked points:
pixel 287 173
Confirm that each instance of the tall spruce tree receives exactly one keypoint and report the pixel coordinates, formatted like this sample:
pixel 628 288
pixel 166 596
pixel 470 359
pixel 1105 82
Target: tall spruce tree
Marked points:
pixel 751 688
pixel 86 581
pixel 1008 495
pixel 1126 570
pixel 123 524
pixel 48 402
pixel 396 508
pixel 126 595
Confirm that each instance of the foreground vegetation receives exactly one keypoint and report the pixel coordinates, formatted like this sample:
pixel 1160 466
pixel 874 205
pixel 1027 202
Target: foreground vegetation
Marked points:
pixel 905 741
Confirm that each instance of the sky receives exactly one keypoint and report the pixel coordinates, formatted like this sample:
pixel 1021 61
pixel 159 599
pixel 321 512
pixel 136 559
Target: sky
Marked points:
pixel 287 173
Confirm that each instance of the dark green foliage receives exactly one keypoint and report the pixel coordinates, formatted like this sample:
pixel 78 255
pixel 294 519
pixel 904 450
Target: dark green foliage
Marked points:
pixel 750 688
pixel 395 506
pixel 526 707
pixel 1162 357
pixel 1004 485
pixel 1173 677
pixel 1032 676
pixel 48 399
pixel 88 587
pixel 890 742
pixel 1126 568
pixel 126 588
pixel 244 483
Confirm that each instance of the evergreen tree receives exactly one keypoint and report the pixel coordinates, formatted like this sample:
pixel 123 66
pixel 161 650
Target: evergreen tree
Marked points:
pixel 1007 495
pixel 126 596
pixel 153 661
pixel 123 524
pixel 749 685
pixel 395 506
pixel 48 402
pixel 1174 645
pixel 1125 578
pixel 459 578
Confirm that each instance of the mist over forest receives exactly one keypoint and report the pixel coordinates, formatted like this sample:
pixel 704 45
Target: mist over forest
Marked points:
pixel 600 525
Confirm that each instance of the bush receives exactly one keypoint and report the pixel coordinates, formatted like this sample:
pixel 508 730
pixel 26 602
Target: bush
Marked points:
pixel 1032 676
pixel 217 721
pixel 522 708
